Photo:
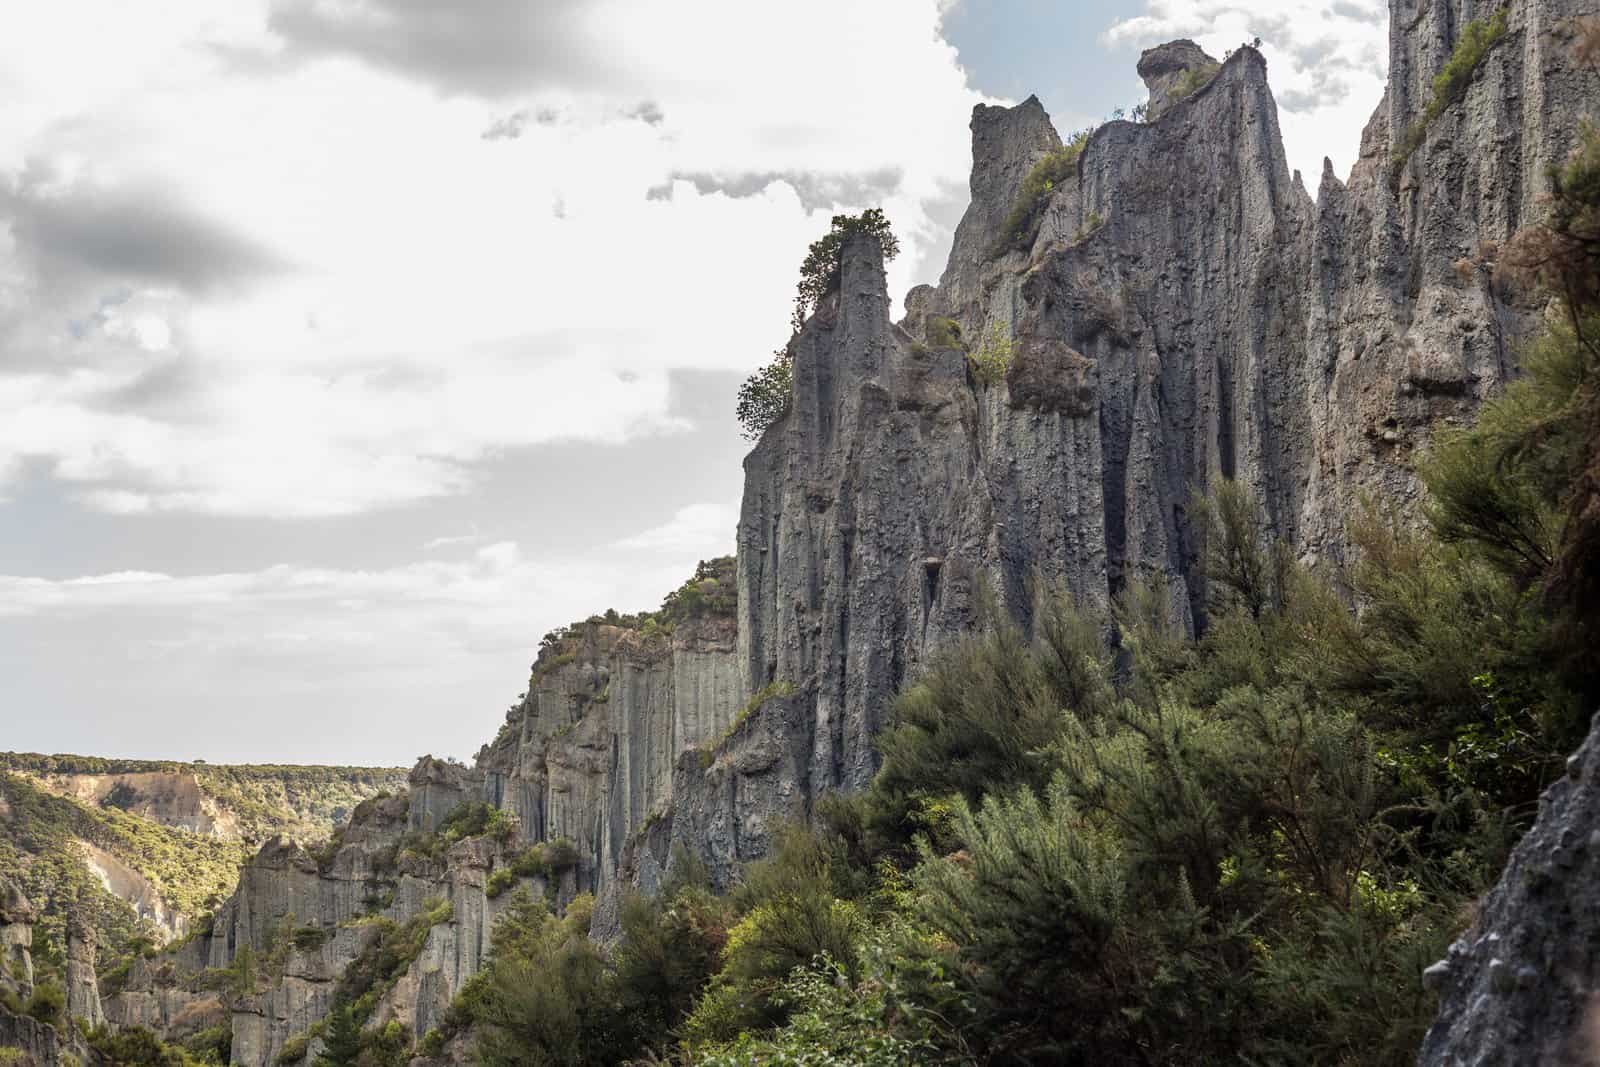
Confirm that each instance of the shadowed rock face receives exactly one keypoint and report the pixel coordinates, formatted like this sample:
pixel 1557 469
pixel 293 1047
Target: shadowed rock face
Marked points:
pixel 1523 984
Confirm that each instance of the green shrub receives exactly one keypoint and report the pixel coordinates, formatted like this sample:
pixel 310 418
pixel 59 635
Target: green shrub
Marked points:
pixel 309 938
pixel 48 1003
pixel 1192 81
pixel 135 1046
pixel 500 880
pixel 819 274
pixel 764 397
pixel 993 358
pixel 214 1044
pixel 944 332
pixel 293 1051
pixel 1021 223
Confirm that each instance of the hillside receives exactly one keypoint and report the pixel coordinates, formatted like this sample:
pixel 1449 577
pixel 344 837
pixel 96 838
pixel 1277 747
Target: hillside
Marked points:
pixel 144 848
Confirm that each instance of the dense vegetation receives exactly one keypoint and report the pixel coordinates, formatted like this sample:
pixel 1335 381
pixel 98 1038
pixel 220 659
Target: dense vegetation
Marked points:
pixel 764 396
pixel 41 836
pixel 40 851
pixel 1103 841
pixel 264 800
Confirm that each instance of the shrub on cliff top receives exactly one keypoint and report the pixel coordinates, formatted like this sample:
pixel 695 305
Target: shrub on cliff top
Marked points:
pixel 1022 223
pixel 819 274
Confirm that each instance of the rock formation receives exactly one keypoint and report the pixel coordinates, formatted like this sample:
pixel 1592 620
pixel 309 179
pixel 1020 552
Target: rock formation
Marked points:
pixel 1523 984
pixel 83 991
pixel 1183 311
pixel 16 938
pixel 24 1040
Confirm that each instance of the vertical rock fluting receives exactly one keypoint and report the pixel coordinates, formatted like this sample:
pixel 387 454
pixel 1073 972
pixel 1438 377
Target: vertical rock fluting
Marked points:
pixel 83 991
pixel 16 938
pixel 1184 312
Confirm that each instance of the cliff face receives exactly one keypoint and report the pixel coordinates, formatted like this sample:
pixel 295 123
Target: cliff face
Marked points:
pixel 1183 311
pixel 1523 984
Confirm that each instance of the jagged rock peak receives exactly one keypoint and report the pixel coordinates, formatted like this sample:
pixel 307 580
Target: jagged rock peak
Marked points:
pixel 1165 66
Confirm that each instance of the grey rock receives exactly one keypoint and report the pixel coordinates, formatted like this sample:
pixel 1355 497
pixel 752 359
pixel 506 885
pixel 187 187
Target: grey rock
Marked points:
pixel 1164 66
pixel 17 916
pixel 83 990
pixel 1543 1007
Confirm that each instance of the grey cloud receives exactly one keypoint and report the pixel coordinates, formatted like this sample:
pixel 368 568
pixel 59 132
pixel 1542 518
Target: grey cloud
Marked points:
pixel 817 189
pixel 128 234
pixel 648 112
pixel 1356 13
pixel 488 48
pixel 1327 87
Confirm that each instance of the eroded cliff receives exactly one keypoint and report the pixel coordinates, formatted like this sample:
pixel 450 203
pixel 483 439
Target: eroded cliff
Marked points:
pixel 1176 310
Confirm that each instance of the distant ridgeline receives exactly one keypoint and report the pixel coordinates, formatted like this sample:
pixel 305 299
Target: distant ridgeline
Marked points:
pixel 143 847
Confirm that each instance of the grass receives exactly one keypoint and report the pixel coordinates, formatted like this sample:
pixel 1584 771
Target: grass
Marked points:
pixel 944 332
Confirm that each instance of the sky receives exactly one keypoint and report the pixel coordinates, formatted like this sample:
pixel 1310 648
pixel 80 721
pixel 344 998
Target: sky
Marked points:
pixel 347 346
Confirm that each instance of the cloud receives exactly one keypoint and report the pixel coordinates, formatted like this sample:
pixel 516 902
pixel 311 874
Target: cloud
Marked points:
pixel 488 48
pixel 706 529
pixel 457 293
pixel 1327 64
pixel 305 660
pixel 817 191
pixel 73 230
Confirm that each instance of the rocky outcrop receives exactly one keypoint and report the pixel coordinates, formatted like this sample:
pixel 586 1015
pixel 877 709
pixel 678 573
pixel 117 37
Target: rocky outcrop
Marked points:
pixel 17 916
pixel 122 881
pixel 1169 69
pixel 83 991
pixel 24 1040
pixel 1523 984
pixel 171 798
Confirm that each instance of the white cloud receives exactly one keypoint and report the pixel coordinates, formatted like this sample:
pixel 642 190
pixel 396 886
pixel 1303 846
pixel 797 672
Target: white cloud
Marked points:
pixel 704 528
pixel 1327 63
pixel 376 300
pixel 301 658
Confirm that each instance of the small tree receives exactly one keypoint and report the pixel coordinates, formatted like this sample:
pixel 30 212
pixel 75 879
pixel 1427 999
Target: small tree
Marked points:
pixel 764 396
pixel 819 274
pixel 343 1044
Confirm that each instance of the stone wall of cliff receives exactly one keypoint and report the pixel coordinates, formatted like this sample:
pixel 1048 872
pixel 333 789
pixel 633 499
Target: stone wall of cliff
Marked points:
pixel 1185 311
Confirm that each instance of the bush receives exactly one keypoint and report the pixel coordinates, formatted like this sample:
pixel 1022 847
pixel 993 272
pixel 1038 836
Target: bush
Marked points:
pixel 48 1003
pixel 764 397
pixel 993 358
pixel 819 274
pixel 500 880
pixel 1192 81
pixel 1021 223
pixel 309 938
pixel 944 332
